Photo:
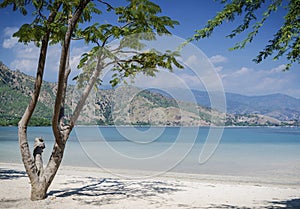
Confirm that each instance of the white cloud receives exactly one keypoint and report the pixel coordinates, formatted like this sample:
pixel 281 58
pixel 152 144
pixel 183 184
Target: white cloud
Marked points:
pixel 279 69
pixel 219 68
pixel 26 56
pixel 218 59
pixel 241 72
pixel 258 82
pixel 9 31
pixel 192 61
pixel 24 65
pixel 192 81
pixel 269 84
pixel 162 80
pixel 9 41
pixel 29 51
pixel 76 52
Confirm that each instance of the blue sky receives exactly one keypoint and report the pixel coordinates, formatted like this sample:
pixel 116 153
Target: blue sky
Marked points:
pixel 235 68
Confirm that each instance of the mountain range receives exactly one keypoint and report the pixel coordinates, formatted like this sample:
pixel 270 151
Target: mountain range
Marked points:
pixel 279 106
pixel 147 107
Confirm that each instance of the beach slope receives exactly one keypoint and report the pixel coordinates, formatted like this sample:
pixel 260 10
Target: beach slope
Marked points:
pixel 80 187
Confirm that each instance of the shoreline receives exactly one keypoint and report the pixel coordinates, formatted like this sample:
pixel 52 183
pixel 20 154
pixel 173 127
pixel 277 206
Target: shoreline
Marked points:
pixel 176 126
pixel 131 174
pixel 88 187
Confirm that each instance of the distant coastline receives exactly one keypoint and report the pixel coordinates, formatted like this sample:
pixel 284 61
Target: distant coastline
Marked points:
pixel 169 126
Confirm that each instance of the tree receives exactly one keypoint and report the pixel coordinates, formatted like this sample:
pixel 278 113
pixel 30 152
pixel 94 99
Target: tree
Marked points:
pixel 59 22
pixel 286 40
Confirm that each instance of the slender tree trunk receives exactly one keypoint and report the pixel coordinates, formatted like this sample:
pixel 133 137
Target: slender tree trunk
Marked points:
pixel 38 191
pixel 41 183
pixel 27 159
pixel 40 177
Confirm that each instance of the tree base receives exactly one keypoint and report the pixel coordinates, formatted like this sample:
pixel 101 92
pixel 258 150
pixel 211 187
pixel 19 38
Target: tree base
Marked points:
pixel 38 192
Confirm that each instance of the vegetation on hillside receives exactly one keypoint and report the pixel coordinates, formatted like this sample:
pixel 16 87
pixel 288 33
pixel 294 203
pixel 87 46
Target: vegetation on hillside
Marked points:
pixel 15 94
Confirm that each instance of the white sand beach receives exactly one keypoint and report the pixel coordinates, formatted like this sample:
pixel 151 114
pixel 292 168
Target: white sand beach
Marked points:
pixel 81 187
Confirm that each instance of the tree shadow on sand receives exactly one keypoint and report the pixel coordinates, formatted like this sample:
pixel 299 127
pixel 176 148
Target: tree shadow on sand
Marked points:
pixel 286 204
pixel 9 174
pixel 290 204
pixel 107 190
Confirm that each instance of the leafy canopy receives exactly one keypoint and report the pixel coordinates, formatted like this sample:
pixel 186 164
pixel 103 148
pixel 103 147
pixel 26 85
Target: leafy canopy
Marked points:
pixel 137 21
pixel 285 42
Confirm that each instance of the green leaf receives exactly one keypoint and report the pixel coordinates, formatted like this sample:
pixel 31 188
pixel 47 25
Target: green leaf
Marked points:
pixel 284 40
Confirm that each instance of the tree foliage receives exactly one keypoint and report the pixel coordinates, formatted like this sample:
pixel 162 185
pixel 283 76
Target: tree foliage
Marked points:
pixel 138 22
pixel 285 42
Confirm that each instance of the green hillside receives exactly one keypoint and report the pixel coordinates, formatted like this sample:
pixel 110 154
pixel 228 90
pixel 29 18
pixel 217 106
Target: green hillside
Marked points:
pixel 107 108
pixel 15 88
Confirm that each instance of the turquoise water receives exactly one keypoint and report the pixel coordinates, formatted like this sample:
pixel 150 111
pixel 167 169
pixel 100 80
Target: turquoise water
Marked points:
pixel 256 152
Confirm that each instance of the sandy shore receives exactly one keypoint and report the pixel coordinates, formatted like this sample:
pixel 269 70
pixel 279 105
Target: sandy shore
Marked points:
pixel 79 187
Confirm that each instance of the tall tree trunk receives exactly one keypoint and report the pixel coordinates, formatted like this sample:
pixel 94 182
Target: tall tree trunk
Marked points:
pixel 28 161
pixel 60 131
pixel 40 177
pixel 40 181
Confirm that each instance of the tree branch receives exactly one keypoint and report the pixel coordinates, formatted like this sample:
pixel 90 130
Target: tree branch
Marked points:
pixel 107 4
pixel 86 92
pixel 62 70
pixel 62 125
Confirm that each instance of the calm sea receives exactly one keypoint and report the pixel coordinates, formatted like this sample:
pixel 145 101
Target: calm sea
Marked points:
pixel 260 152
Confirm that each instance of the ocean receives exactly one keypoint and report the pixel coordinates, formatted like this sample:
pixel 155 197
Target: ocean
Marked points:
pixel 256 152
